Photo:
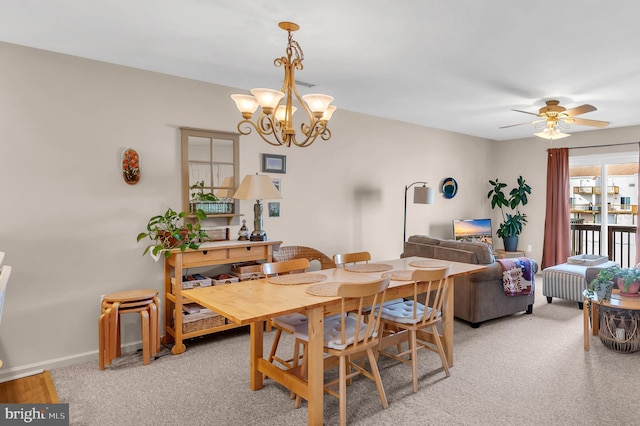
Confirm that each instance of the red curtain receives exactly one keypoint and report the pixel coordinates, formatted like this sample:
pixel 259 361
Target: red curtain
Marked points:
pixel 557 229
pixel 637 224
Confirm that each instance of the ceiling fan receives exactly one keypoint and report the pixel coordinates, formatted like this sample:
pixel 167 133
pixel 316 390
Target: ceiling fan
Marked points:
pixel 554 117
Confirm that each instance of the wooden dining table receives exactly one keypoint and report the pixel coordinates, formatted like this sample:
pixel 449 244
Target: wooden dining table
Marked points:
pixel 257 301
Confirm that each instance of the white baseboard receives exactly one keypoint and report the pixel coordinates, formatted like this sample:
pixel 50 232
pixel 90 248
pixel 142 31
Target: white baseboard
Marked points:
pixel 13 373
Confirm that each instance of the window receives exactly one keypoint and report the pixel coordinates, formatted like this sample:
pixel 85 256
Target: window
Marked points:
pixel 604 205
pixel 211 157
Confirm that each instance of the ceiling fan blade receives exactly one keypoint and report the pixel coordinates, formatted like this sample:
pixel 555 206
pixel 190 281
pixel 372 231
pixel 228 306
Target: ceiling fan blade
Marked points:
pixel 582 109
pixel 525 112
pixel 521 124
pixel 585 122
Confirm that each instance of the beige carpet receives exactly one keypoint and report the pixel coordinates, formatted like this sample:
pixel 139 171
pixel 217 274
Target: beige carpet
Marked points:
pixel 519 370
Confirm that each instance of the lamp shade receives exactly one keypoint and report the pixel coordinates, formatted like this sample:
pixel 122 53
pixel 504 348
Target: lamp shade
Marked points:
pixel 227 188
pixel 552 134
pixel 257 187
pixel 423 195
pixel 245 103
pixel 281 112
pixel 267 98
pixel 318 102
pixel 328 113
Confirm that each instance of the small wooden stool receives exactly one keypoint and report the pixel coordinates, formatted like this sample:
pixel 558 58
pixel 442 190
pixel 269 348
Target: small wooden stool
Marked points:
pixel 147 304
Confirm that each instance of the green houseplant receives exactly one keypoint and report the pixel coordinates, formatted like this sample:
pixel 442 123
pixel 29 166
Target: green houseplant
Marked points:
pixel 513 221
pixel 199 194
pixel 602 284
pixel 208 202
pixel 169 230
pixel 628 280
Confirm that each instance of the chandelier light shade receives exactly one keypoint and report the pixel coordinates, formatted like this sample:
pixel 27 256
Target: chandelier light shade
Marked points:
pixel 421 195
pixel 275 123
pixel 257 187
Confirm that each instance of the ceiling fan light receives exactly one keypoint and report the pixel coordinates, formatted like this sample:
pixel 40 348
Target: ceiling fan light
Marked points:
pixel 551 135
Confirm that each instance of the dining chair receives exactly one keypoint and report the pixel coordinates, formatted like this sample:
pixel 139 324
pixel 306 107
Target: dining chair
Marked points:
pixel 344 258
pixel 348 334
pixel 411 316
pixel 302 252
pixel 272 269
pixel 289 322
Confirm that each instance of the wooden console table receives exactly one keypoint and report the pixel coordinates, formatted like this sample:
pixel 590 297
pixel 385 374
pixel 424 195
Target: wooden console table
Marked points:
pixel 208 254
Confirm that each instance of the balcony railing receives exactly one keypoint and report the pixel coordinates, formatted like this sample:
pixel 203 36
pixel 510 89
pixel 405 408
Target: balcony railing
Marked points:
pixel 585 239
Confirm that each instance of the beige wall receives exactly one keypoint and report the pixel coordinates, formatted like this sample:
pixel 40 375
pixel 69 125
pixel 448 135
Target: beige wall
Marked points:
pixel 69 221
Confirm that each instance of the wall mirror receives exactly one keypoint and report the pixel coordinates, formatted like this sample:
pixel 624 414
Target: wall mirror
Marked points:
pixel 210 160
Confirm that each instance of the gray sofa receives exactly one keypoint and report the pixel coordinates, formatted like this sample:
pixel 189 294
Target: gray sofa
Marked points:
pixel 480 296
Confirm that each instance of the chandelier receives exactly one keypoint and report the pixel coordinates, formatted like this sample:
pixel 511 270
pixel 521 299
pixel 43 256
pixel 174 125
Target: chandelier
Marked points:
pixel 275 122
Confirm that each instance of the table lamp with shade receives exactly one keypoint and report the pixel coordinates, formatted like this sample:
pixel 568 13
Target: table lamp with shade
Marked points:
pixel 257 187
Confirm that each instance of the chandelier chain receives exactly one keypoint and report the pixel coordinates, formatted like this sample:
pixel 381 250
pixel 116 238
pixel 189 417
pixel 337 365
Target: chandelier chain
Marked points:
pixel 295 47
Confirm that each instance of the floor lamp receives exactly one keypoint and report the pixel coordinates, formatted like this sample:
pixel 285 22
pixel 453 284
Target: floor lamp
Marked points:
pixel 421 195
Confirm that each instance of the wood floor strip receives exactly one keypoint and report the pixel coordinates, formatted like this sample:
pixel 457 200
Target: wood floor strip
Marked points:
pixel 36 389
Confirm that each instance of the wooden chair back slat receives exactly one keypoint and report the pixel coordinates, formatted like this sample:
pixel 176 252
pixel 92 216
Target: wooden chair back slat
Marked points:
pixel 278 268
pixel 363 292
pixel 344 258
pixel 437 283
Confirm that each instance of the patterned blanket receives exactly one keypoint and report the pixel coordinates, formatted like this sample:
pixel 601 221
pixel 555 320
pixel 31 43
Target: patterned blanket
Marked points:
pixel 517 278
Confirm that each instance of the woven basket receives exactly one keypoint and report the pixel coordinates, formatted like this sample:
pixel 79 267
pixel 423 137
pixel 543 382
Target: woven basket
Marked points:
pixel 619 329
pixel 202 324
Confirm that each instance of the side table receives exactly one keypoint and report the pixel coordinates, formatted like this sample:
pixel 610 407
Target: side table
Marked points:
pixel 617 302
pixel 503 254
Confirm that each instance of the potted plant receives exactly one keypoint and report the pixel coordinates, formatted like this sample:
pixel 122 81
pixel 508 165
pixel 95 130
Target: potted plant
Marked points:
pixel 169 230
pixel 207 201
pixel 513 221
pixel 628 281
pixel 602 284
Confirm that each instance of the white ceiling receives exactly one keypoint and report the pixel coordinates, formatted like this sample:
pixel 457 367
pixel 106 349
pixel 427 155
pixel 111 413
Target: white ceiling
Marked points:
pixel 456 65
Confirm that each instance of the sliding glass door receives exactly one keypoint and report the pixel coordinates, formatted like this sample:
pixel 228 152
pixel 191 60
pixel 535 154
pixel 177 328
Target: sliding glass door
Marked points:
pixel 604 206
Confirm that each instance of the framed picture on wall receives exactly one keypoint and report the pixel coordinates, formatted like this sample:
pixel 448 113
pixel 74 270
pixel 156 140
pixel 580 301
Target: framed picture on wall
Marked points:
pixel 276 183
pixel 274 209
pixel 272 163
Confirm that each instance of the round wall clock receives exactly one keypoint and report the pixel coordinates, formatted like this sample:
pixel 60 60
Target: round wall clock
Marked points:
pixel 449 187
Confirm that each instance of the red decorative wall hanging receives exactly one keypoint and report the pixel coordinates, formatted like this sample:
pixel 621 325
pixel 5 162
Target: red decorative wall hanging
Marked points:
pixel 130 166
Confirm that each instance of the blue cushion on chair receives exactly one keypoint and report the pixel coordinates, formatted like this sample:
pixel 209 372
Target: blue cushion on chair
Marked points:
pixel 403 312
pixel 332 332
pixel 290 322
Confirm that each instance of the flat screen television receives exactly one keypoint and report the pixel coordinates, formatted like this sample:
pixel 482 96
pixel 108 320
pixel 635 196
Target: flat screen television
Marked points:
pixel 473 230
